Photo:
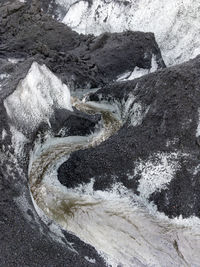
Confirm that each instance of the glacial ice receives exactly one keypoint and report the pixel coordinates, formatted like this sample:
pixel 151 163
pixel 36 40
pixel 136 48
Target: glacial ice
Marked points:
pixel 36 97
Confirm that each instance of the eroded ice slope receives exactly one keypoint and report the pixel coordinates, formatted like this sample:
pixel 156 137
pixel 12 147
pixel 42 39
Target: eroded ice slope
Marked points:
pixel 176 24
pixel 36 97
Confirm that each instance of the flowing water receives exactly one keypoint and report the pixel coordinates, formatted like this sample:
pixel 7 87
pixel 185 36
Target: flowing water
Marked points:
pixel 115 222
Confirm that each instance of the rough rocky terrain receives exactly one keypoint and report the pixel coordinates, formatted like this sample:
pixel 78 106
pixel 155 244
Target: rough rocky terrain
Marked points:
pixel 155 153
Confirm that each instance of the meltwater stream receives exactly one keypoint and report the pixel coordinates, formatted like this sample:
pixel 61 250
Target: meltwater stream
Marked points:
pixel 115 222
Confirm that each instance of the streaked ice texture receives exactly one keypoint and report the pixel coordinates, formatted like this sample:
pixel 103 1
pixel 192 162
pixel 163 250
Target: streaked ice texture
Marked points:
pixel 176 23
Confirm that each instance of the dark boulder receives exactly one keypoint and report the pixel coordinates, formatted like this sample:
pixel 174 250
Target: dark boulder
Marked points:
pixel 117 53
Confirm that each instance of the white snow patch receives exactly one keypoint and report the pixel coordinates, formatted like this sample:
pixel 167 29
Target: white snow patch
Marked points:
pixel 90 260
pixel 196 169
pixel 154 64
pixel 15 60
pixel 126 106
pixel 138 112
pixel 75 14
pixel 133 110
pixel 138 72
pixel 36 97
pixel 124 76
pixel 4 76
pixel 18 141
pixel 3 134
pixel 198 127
pixel 3 79
pixel 156 172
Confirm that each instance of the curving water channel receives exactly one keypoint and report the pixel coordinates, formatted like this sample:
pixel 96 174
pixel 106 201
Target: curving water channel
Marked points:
pixel 115 222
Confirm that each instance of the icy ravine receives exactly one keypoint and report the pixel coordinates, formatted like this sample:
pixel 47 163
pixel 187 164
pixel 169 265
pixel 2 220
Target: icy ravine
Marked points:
pixel 176 24
pixel 138 238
